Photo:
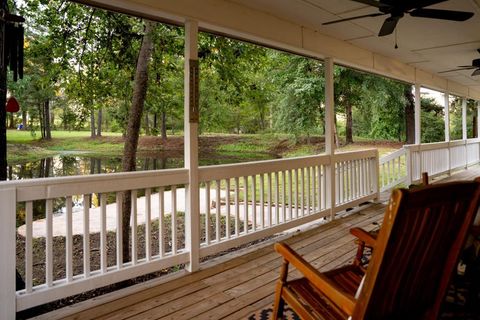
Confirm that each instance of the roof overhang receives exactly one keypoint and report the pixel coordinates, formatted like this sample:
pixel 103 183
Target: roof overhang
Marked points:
pixel 426 46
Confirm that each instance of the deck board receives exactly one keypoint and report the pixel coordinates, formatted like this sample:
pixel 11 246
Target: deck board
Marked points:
pixel 236 288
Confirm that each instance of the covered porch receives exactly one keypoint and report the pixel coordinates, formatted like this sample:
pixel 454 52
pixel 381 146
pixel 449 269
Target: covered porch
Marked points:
pixel 228 206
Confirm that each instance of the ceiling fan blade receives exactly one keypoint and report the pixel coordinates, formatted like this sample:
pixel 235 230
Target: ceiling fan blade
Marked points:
pixel 412 4
pixel 460 69
pixel 476 72
pixel 372 3
pixel 354 18
pixel 388 26
pixel 467 67
pixel 442 14
pixel 478 50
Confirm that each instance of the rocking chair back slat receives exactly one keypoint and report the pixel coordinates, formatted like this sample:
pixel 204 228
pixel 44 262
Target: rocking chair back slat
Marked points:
pixel 416 251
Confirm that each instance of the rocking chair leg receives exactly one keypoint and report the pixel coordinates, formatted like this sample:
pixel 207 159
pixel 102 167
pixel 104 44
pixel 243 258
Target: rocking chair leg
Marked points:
pixel 279 303
pixel 358 257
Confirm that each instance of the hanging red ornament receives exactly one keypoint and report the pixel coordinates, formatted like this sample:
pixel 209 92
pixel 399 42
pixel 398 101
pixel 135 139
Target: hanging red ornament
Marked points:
pixel 12 105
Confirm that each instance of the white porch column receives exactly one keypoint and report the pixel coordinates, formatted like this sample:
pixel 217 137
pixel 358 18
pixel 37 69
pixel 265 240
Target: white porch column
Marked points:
pixel 464 129
pixel 447 129
pixel 192 210
pixel 418 129
pixel 446 106
pixel 464 119
pixel 330 135
pixel 7 254
pixel 478 119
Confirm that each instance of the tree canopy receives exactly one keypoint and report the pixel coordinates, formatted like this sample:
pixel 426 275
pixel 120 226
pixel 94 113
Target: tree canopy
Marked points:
pixel 81 61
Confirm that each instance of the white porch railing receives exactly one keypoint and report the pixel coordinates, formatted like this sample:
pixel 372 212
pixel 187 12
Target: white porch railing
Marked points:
pixel 440 158
pixel 393 169
pixel 238 203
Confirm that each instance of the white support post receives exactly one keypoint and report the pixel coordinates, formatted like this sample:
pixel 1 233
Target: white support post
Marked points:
pixel 7 254
pixel 478 119
pixel 409 166
pixel 447 129
pixel 464 119
pixel 376 185
pixel 330 135
pixel 192 210
pixel 418 129
pixel 446 106
pixel 464 129
pixel 478 125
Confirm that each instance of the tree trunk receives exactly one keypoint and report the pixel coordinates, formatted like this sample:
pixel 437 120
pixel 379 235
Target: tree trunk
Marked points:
pixel 99 122
pixel 133 128
pixel 24 120
pixel 52 120
pixel 48 130
pixel 155 122
pixel 335 134
pixel 349 124
pixel 40 116
pixel 164 125
pixel 474 126
pixel 147 125
pixel 12 121
pixel 92 124
pixel 409 116
pixel 65 121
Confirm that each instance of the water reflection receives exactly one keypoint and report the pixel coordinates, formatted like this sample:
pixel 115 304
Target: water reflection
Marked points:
pixel 69 165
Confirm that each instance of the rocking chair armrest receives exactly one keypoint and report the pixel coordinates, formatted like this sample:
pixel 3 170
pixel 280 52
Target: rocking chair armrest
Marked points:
pixel 342 299
pixel 364 236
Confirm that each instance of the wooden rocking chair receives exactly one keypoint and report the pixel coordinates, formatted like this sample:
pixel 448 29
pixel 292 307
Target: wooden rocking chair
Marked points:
pixel 415 253
pixel 367 239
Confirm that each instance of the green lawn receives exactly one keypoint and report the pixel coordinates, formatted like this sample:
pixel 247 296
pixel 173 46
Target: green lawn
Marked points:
pixel 17 136
pixel 23 146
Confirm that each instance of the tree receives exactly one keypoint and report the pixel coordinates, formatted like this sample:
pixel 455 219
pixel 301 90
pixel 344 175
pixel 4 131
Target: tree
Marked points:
pixel 301 86
pixel 409 115
pixel 165 90
pixel 228 70
pixel 133 129
pixel 432 121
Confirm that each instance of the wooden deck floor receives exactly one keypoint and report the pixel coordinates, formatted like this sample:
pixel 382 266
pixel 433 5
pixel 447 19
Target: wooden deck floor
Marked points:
pixel 236 288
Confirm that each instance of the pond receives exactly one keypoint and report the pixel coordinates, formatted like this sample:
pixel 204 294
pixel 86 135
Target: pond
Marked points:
pixel 78 164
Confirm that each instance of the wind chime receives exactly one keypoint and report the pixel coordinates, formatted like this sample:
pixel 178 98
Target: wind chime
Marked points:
pixel 11 57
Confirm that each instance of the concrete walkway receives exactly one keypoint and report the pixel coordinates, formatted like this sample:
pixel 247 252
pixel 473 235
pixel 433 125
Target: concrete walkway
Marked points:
pixel 59 219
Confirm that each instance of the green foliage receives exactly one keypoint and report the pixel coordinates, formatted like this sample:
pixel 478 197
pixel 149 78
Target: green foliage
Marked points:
pixel 433 123
pixel 83 59
pixel 298 107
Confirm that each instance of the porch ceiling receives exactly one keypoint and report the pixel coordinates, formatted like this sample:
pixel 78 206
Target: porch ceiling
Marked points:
pixel 432 45
pixel 426 46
